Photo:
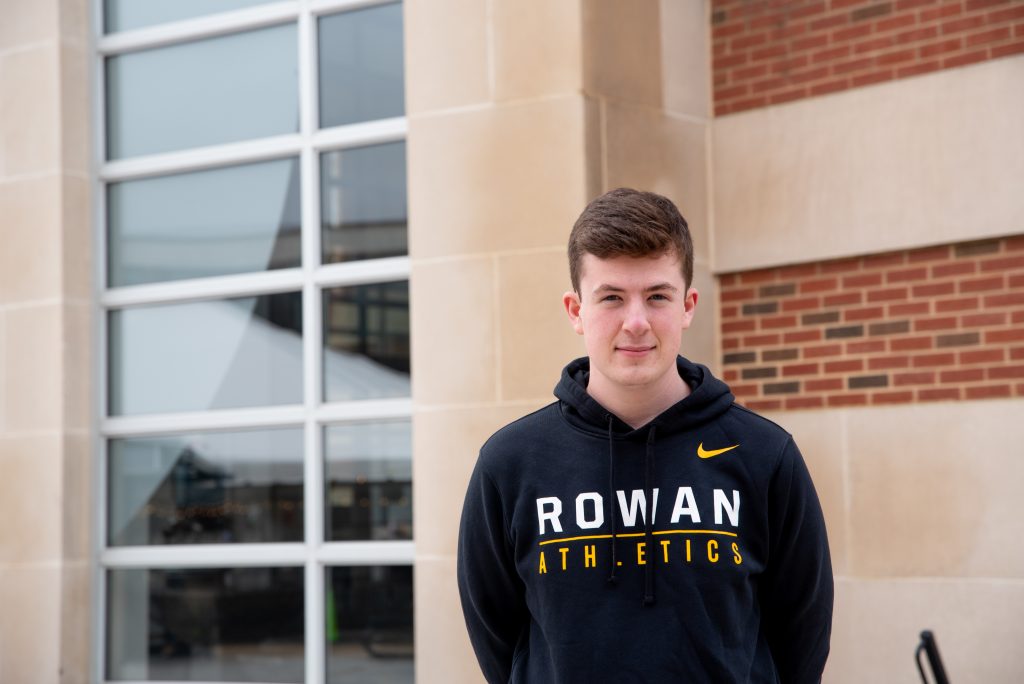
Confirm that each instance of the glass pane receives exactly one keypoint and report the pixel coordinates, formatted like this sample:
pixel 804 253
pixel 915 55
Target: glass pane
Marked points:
pixel 366 341
pixel 191 225
pixel 369 624
pixel 361 76
pixel 220 90
pixel 228 353
pixel 368 474
pixel 363 202
pixel 124 15
pixel 207 487
pixel 210 624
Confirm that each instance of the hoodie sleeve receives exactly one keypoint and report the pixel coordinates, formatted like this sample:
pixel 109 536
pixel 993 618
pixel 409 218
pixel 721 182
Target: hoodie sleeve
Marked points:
pixel 796 589
pixel 493 595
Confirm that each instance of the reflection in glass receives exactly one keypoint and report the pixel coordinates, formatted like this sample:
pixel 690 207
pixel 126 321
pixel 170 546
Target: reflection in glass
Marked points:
pixel 208 487
pixel 219 90
pixel 369 624
pixel 361 71
pixel 368 476
pixel 217 624
pixel 363 202
pixel 207 223
pixel 228 353
pixel 366 341
pixel 124 15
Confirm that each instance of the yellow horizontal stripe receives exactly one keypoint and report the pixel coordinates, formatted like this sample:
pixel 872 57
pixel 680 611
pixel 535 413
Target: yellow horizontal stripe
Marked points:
pixel 635 534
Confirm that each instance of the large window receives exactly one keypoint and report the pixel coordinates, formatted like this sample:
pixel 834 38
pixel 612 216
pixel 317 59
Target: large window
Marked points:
pixel 255 451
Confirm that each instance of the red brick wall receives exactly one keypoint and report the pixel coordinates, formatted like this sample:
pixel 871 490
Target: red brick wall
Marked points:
pixel 770 51
pixel 939 323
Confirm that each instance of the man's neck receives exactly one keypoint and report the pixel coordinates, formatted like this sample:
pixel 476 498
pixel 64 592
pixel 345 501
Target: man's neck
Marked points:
pixel 637 406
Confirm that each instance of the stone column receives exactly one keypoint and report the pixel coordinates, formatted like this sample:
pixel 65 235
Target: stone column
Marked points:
pixel 46 357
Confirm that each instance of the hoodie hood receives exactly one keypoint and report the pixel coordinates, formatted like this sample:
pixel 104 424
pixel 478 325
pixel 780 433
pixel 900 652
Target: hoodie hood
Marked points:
pixel 708 399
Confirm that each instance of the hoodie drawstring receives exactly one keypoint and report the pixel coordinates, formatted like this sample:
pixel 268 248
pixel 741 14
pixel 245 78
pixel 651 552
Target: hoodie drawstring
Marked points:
pixel 612 579
pixel 649 545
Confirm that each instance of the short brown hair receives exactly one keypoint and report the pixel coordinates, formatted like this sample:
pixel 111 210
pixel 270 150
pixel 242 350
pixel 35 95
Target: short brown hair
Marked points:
pixel 627 222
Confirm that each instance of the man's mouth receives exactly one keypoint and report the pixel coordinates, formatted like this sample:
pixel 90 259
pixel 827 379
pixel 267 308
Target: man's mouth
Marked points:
pixel 635 350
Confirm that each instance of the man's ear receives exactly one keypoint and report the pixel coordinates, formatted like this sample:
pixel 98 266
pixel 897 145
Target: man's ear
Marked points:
pixel 571 302
pixel 689 306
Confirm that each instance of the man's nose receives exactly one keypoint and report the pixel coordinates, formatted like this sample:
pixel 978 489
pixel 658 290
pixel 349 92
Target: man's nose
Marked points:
pixel 636 321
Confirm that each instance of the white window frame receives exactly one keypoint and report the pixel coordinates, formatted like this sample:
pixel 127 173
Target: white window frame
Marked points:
pixel 314 554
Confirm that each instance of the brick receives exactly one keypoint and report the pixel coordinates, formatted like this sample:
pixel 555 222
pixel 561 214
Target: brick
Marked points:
pixel 888 362
pixel 788 96
pixel 745 74
pixel 1009 299
pixel 956 340
pixel 780 290
pixel 760 340
pixel 819 285
pixel 760 308
pixel 962 375
pixel 919 378
pixel 759 373
pixel 1003 263
pixel 1006 372
pixel 943 394
pixel 831 54
pixel 799 369
pixel 865 381
pixel 808 10
pixel 780 354
pixel 732 60
pixel 787 32
pixel 1017 353
pixel 914 35
pixel 801 304
pixel 821 350
pixel 925 360
pixel 919 68
pixel 730 343
pixel 830 22
pixel 1016 280
pixel 718 17
pixel 947 305
pixel 913 4
pixel 853 65
pixel 945 46
pixel 810 42
pixel 1014 12
pixel 848 400
pixel 843 299
pixel 897 22
pixel 798 271
pixel 1018 317
pixel 863 280
pixel 727 279
pixel 807 76
pixel 1007 50
pixel 873 44
pixel 778 322
pixel 923 324
pixel 892 397
pixel 764 405
pixel 865 347
pixel 968 58
pixel 906 274
pixel 868 79
pixel 737 295
pixel 975 248
pixel 981 356
pixel 787 65
pixel 863 314
pixel 799 336
pixel 992 36
pixel 988 392
pixel 962 268
pixel 851 33
pixel 747 40
pixel 796 403
pixel 844 366
pixel 782 387
pixel 722 32
pixel 770 52
pixel 750 103
pixel 886 260
pixel 999 336
pixel 984 4
pixel 759 276
pixel 823 385
pixel 962 24
pixel 910 309
pixel 768 84
pixel 845 331
pixel 889 328
pixel 928 254
pixel 820 318
pixel 896 57
pixel 730 311
pixel 738 326
pixel 830 87
pixel 888 294
pixel 740 357
pixel 910 344
pixel 840 265
pixel 731 375
pixel 933 289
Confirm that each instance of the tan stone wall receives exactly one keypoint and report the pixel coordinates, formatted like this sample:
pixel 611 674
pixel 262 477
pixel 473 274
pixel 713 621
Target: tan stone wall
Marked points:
pixel 45 351
pixel 520 113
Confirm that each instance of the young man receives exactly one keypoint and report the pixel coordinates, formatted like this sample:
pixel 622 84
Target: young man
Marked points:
pixel 644 527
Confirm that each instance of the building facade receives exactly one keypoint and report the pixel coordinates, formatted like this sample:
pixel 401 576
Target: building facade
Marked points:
pixel 272 272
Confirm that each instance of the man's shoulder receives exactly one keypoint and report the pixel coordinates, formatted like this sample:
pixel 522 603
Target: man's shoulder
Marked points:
pixel 524 430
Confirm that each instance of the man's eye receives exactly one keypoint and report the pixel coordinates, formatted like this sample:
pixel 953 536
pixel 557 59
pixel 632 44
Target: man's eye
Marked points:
pixel 610 298
pixel 660 297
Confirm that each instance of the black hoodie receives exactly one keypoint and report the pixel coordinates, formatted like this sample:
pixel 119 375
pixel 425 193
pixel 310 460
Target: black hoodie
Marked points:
pixel 709 563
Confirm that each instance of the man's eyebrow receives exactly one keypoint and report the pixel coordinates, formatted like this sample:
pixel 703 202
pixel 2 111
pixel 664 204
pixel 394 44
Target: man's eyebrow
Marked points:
pixel 659 287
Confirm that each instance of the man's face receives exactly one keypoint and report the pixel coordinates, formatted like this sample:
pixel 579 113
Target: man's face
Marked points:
pixel 631 313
